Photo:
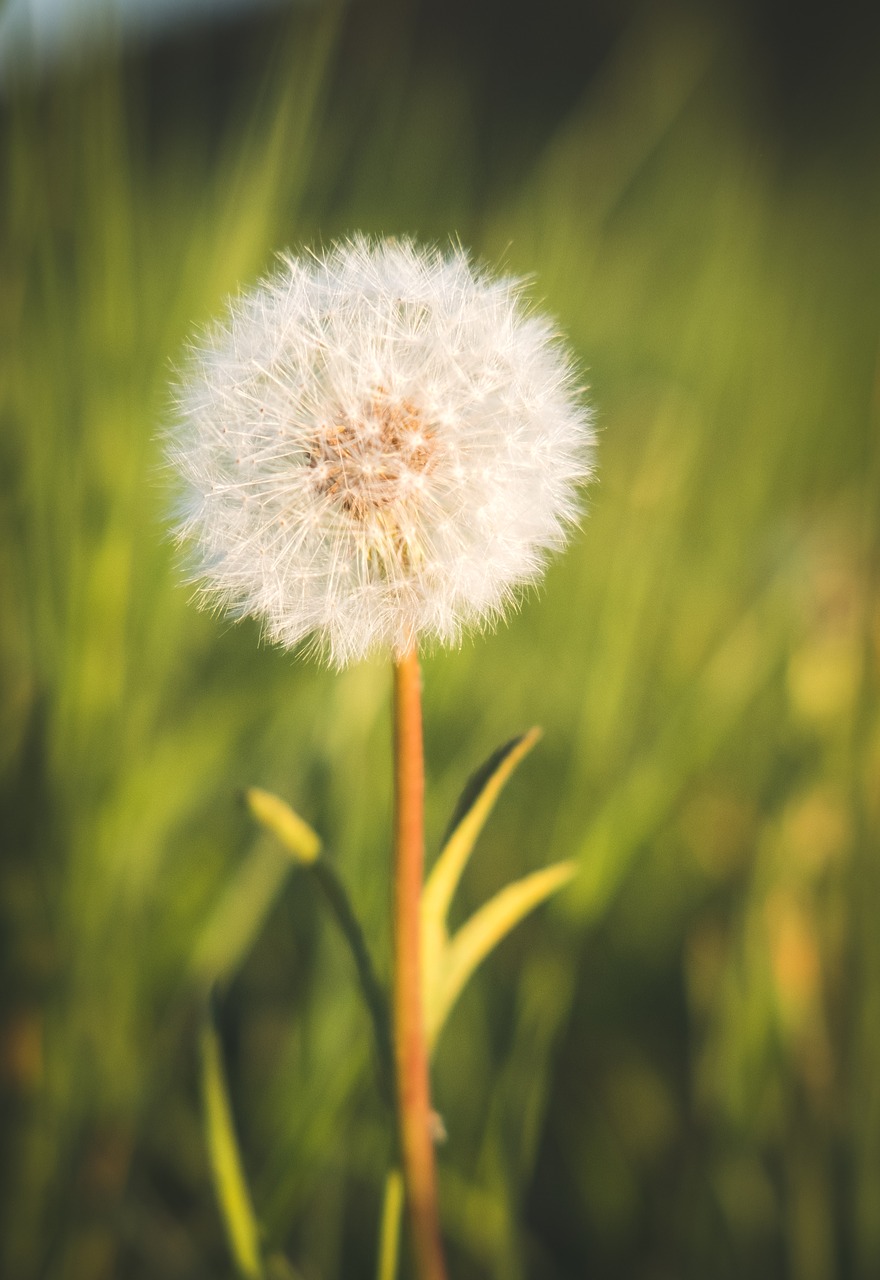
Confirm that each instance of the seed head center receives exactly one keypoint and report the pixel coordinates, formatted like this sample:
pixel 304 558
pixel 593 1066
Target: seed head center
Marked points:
pixel 372 460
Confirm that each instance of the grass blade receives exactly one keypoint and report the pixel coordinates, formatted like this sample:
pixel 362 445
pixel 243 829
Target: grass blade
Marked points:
pixel 389 1240
pixel 304 846
pixel 482 933
pixel 276 816
pixel 230 1185
pixel 474 806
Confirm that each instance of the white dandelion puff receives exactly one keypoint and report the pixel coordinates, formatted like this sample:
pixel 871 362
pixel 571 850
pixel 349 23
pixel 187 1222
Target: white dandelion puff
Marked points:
pixel 378 446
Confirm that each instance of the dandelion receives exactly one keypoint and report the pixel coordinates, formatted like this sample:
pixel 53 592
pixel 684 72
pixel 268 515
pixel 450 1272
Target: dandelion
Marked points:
pixel 378 445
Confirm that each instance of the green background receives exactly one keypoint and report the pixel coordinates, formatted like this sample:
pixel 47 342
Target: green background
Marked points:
pixel 670 1071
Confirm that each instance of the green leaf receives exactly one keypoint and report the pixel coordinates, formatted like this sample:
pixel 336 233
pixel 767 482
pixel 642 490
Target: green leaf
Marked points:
pixel 304 846
pixel 392 1214
pixel 447 964
pixel 476 784
pixel 474 806
pixel 481 934
pixel 230 1185
pixel 339 903
pixel 276 816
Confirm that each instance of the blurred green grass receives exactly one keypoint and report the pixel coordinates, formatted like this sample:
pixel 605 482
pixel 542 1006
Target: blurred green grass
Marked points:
pixel 671 1071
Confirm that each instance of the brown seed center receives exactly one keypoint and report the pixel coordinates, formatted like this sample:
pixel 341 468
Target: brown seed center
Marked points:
pixel 373 460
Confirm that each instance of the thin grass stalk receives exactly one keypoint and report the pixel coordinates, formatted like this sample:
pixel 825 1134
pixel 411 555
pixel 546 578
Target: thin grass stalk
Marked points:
pixel 392 1215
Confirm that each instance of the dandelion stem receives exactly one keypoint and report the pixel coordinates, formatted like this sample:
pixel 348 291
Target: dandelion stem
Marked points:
pixel 410 1046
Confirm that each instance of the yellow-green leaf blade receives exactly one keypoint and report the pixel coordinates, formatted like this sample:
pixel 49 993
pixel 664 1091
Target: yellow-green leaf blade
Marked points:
pixel 276 816
pixel 230 1185
pixel 392 1215
pixel 474 806
pixel 476 803
pixel 482 933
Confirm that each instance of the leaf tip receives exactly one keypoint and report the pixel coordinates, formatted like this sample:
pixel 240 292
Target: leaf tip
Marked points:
pixel 277 817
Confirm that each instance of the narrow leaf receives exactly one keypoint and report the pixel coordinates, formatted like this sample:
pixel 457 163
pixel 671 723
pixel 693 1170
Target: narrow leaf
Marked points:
pixel 230 1186
pixel 474 806
pixel 339 902
pixel 277 817
pixel 482 933
pixel 304 845
pixel 389 1239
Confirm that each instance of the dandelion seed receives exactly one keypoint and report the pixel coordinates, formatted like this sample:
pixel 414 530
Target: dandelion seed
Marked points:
pixel 406 440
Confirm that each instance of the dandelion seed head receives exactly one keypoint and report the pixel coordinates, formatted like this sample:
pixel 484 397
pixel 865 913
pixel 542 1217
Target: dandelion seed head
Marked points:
pixel 378 445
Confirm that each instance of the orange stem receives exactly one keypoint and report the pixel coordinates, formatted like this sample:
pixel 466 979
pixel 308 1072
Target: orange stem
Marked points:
pixel 410 1048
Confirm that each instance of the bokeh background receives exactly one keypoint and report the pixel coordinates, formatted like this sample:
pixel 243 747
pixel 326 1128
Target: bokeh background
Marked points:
pixel 674 1069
